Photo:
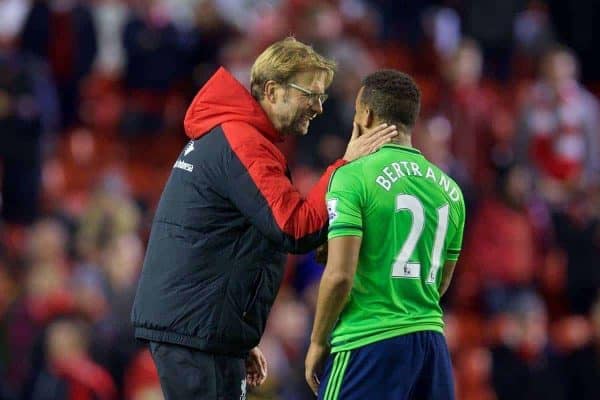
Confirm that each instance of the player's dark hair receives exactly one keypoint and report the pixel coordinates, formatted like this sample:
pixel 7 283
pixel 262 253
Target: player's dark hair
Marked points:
pixel 393 96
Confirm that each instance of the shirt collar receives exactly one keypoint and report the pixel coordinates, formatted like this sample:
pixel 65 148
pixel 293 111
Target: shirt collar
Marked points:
pixel 400 147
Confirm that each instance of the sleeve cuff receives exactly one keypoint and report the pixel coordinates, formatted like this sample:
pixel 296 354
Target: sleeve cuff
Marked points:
pixel 452 254
pixel 344 230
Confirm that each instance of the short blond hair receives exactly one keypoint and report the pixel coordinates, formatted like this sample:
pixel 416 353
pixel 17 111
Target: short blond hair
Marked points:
pixel 282 60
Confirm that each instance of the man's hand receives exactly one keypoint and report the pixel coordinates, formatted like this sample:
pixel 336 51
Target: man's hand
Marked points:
pixel 321 254
pixel 371 140
pixel 256 368
pixel 313 366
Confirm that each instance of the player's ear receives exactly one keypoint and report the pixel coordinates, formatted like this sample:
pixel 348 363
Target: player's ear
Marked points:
pixel 270 90
pixel 369 118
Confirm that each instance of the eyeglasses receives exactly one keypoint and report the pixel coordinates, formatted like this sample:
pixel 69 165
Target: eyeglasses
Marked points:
pixel 312 96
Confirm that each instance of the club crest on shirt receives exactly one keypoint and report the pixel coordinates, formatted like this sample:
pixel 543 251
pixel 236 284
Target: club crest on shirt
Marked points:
pixel 332 209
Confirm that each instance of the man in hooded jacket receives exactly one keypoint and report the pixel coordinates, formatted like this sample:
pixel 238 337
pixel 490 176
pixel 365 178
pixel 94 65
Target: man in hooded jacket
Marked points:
pixel 226 219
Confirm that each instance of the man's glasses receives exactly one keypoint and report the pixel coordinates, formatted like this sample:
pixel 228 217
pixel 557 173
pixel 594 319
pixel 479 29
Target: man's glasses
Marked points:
pixel 312 97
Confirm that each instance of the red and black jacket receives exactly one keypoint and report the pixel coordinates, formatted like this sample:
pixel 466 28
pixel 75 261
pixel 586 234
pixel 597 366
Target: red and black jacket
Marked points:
pixel 227 217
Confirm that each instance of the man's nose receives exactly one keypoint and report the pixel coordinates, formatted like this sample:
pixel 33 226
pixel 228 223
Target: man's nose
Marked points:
pixel 317 106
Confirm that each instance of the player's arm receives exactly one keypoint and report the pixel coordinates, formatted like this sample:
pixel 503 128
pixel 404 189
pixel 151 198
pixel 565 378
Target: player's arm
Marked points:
pixel 334 289
pixel 344 205
pixel 453 251
pixel 335 285
pixel 447 276
pixel 345 198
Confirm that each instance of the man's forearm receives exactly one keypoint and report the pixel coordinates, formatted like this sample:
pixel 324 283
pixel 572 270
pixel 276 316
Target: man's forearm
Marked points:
pixel 333 294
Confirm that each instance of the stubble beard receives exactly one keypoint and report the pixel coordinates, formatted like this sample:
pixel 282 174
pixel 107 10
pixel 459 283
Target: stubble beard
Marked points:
pixel 298 126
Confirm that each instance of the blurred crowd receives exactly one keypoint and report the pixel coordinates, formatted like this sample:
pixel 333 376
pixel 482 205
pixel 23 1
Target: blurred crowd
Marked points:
pixel 92 98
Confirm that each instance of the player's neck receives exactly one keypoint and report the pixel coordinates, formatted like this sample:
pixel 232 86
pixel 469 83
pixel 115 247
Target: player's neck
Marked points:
pixel 404 133
pixel 403 139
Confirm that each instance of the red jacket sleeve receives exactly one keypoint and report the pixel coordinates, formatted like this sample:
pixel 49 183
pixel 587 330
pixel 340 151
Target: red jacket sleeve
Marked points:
pixel 260 189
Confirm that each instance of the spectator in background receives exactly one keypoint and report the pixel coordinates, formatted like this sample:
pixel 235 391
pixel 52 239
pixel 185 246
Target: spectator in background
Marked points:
pixel 204 42
pixel 45 295
pixel 110 212
pixel 533 34
pixel 399 22
pixel 576 23
pixel 470 106
pixel 442 26
pixel 284 345
pixel 68 372
pixel 8 292
pixel 524 365
pixel 110 17
pixel 577 227
pixel 62 32
pixel 559 127
pixel 503 247
pixel 152 54
pixel 490 22
pixel 113 339
pixel 473 374
pixel 141 378
pixel 27 112
pixel 576 341
pixel 586 360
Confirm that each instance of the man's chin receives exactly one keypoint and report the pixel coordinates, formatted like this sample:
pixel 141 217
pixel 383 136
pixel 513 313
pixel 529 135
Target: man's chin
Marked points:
pixel 298 131
pixel 303 129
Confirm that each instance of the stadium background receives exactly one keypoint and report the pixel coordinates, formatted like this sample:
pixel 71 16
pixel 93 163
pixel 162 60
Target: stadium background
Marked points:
pixel 92 96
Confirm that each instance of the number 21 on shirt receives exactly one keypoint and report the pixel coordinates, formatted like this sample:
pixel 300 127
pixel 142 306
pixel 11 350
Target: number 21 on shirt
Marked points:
pixel 402 267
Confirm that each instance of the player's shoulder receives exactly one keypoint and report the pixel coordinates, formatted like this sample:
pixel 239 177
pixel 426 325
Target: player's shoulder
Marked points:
pixel 444 183
pixel 348 173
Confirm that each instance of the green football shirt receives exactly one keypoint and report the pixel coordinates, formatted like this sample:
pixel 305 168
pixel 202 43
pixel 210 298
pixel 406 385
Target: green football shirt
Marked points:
pixel 410 216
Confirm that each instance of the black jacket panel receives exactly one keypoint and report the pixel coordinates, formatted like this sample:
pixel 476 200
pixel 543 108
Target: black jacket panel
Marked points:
pixel 209 276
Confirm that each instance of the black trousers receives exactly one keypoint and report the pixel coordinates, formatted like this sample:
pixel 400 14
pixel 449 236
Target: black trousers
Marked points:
pixel 186 373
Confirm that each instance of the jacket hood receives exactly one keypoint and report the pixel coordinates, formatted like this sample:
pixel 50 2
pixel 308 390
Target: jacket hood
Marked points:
pixel 224 99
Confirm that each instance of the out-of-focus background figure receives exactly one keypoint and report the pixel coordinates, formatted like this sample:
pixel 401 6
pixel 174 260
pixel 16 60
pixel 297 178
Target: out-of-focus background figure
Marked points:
pixel 92 98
